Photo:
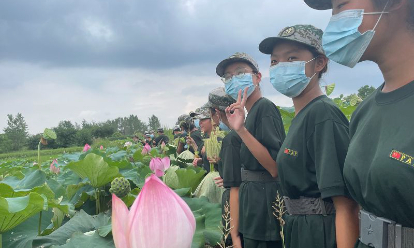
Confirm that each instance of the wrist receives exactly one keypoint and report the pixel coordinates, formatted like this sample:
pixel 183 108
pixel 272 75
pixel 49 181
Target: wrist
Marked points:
pixel 241 131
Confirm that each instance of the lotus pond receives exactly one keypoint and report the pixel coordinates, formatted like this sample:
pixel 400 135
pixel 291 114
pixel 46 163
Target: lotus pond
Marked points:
pixel 66 202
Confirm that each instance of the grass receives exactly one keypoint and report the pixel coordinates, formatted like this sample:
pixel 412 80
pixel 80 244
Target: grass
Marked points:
pixel 44 154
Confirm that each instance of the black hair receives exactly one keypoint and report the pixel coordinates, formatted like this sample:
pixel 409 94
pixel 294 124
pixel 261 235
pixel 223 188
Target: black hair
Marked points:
pixel 315 54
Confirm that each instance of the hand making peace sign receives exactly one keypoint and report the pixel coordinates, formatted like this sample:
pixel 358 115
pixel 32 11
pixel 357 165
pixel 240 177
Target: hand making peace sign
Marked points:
pixel 235 112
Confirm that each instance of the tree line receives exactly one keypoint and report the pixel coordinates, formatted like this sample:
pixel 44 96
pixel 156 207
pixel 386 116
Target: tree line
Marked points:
pixel 16 136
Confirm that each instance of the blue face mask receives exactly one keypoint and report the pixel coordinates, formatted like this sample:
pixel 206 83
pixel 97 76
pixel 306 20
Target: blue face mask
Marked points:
pixel 197 123
pixel 223 127
pixel 152 136
pixel 342 41
pixel 289 78
pixel 239 83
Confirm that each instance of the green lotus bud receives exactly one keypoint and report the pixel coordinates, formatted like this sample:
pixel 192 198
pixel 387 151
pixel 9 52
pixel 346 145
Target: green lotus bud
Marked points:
pixel 120 187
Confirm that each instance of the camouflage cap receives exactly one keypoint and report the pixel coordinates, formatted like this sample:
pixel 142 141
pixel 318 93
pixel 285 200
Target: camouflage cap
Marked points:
pixel 237 57
pixel 182 118
pixel 204 113
pixel 319 4
pixel 304 34
pixel 218 98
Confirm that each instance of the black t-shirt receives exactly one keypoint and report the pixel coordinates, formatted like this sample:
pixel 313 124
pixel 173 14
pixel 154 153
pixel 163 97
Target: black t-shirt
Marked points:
pixel 379 166
pixel 312 157
pixel 229 166
pixel 161 138
pixel 256 220
pixel 265 123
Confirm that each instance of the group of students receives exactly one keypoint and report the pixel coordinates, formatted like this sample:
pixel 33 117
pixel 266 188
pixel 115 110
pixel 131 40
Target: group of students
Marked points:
pixel 343 184
pixel 151 140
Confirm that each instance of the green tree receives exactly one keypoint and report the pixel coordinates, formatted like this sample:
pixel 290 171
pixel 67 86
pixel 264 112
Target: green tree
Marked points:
pixel 16 131
pixel 84 136
pixel 365 91
pixel 154 123
pixel 5 143
pixel 66 134
pixel 33 141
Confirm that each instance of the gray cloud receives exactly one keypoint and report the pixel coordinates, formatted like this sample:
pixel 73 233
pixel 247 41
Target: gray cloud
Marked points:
pixel 146 34
pixel 102 59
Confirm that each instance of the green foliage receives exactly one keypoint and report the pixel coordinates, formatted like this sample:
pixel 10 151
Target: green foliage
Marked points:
pixel 81 222
pixel 287 117
pixel 208 220
pixel 16 131
pixel 154 123
pixel 329 89
pixel 33 141
pixel 365 91
pixel 84 136
pixel 177 178
pixel 32 155
pixel 209 189
pixel 66 134
pixel 5 143
pixel 49 134
pixel 95 169
pixel 18 209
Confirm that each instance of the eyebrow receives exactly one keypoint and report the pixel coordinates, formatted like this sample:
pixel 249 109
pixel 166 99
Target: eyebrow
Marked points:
pixel 238 69
pixel 287 53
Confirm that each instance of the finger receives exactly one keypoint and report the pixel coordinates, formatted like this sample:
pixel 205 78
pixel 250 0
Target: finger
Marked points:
pixel 239 96
pixel 236 106
pixel 243 103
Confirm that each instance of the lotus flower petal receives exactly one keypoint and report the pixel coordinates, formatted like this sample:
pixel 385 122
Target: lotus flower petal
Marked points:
pixel 160 218
pixel 119 222
pixel 166 163
pixel 101 147
pixel 158 166
pixel 86 147
pixel 146 149
pixel 54 168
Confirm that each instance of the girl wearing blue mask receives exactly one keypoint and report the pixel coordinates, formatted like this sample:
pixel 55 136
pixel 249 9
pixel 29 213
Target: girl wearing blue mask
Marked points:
pixel 262 134
pixel 379 166
pixel 320 213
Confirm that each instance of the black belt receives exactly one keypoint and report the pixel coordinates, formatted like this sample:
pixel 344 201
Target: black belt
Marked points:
pixel 383 233
pixel 308 206
pixel 256 176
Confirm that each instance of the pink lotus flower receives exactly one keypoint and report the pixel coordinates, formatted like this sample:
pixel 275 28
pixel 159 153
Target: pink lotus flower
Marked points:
pixel 54 168
pixel 146 149
pixel 158 165
pixel 101 147
pixel 86 147
pixel 159 218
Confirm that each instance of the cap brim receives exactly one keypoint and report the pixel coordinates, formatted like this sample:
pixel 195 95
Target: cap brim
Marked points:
pixel 223 64
pixel 267 45
pixel 319 4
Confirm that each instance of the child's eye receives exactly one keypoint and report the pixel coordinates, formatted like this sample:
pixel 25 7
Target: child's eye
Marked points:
pixel 273 62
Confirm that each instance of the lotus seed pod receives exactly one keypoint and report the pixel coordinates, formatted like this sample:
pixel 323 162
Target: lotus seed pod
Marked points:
pixel 43 141
pixel 120 187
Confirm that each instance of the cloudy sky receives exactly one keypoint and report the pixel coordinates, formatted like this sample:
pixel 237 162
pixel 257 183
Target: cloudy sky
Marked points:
pixel 103 59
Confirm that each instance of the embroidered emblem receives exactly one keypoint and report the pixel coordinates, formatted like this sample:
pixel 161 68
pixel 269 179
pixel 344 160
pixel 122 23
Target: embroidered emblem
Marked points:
pixel 291 152
pixel 402 157
pixel 288 31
